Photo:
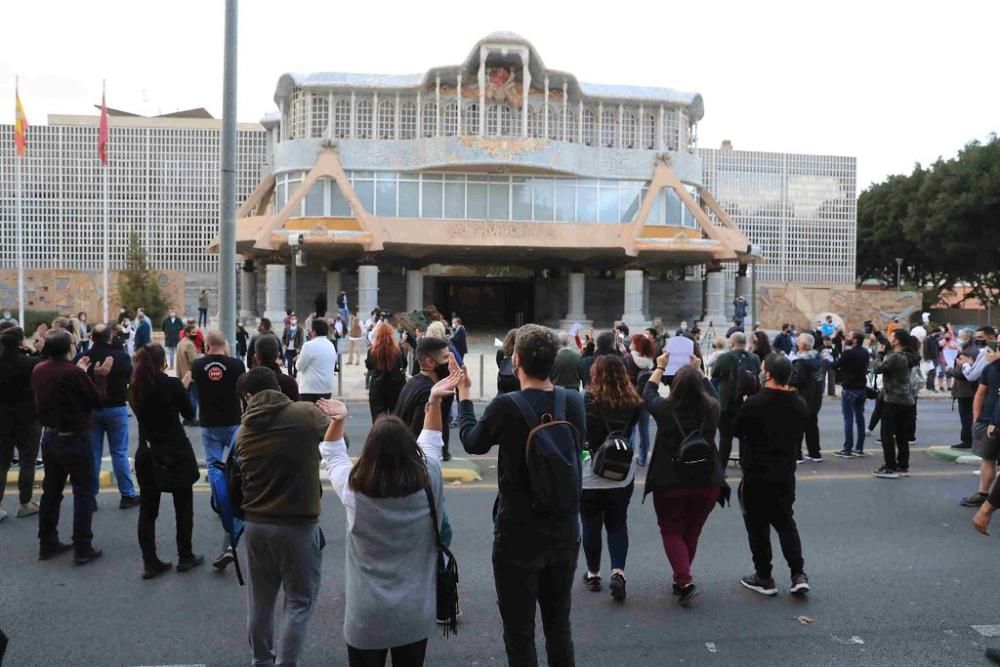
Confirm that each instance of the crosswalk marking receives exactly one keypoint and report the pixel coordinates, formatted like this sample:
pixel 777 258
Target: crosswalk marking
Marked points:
pixel 987 630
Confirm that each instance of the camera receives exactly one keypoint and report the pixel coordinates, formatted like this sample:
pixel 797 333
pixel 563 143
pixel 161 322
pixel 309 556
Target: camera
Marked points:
pixel 869 329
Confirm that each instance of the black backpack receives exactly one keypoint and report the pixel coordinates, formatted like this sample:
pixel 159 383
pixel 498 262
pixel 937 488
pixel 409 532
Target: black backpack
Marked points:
pixel 506 378
pixel 552 457
pixel 695 458
pixel 743 381
pixel 613 459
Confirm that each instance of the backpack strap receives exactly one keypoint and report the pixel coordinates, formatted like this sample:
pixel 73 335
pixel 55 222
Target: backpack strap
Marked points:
pixel 673 413
pixel 559 413
pixel 434 517
pixel 526 410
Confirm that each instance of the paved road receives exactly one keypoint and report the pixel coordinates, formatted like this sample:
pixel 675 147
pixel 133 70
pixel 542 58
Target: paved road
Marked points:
pixel 894 565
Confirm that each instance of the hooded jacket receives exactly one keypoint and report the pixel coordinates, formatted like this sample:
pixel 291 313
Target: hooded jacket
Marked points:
pixel 895 369
pixel 277 454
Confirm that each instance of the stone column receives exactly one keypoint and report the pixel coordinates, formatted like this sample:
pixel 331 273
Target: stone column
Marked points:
pixel 248 291
pixel 332 291
pixel 576 313
pixel 634 315
pixel 276 297
pixel 743 289
pixel 367 289
pixel 715 298
pixel 414 290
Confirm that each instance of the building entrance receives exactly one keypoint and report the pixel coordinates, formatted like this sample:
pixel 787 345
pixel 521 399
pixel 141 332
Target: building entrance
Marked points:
pixel 485 302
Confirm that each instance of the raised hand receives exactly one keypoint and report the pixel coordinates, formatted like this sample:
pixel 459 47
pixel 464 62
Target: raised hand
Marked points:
pixel 446 387
pixel 83 363
pixel 661 360
pixel 332 408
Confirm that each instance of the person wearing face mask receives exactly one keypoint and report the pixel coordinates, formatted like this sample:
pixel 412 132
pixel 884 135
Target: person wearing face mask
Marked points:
pixel 292 340
pixel 172 327
pixel 433 355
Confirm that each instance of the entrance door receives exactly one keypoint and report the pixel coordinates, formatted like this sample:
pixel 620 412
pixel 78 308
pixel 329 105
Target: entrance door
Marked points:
pixel 485 302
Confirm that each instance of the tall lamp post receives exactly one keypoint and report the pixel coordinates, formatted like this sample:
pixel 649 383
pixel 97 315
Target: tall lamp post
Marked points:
pixel 899 273
pixel 227 224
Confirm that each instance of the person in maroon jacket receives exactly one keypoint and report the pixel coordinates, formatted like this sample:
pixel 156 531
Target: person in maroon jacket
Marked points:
pixel 65 397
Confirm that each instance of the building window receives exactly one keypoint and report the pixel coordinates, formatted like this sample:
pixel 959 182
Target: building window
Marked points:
pixel 648 131
pixel 407 120
pixel 571 129
pixel 471 120
pixel 363 119
pixel 342 119
pixel 429 120
pixel 670 129
pixel 685 134
pixel 508 121
pixel 534 123
pixel 449 127
pixel 628 130
pixel 297 129
pixel 555 124
pixel 493 120
pixel 386 119
pixel 608 129
pixel 587 126
pixel 320 116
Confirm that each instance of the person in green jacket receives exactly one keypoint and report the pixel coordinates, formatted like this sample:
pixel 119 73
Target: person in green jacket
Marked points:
pixel 172 327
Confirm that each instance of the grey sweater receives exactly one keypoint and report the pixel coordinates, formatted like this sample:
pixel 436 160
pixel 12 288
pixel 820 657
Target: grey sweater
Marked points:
pixel 391 587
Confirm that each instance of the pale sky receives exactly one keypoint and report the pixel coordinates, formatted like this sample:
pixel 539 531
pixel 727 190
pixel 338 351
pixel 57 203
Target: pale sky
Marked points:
pixel 889 82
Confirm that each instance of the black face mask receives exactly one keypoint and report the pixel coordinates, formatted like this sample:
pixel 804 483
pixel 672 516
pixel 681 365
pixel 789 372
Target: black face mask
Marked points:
pixel 441 371
pixel 979 343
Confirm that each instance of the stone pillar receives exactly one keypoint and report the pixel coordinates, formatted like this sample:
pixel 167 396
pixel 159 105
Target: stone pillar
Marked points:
pixel 367 289
pixel 248 291
pixel 276 297
pixel 332 291
pixel 634 316
pixel 715 301
pixel 414 290
pixel 576 313
pixel 743 289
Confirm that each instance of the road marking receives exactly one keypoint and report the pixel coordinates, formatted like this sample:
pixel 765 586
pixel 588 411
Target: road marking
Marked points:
pixel 711 647
pixel 987 630
pixel 198 665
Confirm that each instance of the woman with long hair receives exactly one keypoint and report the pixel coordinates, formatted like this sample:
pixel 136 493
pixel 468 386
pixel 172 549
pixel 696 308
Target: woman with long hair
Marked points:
pixel 386 366
pixel 639 362
pixel 683 494
pixel 164 460
pixel 760 345
pixel 613 407
pixel 18 421
pixel 390 497
pixel 506 377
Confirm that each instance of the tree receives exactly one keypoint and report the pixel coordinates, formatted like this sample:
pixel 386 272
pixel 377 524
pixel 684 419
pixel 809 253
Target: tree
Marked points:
pixel 138 286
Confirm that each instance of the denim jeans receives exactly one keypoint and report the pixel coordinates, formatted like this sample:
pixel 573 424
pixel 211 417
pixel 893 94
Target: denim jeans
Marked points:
pixel 171 355
pixel 852 404
pixel 642 426
pixel 66 457
pixel 112 422
pixel 215 440
pixel 203 317
pixel 193 394
pixel 605 509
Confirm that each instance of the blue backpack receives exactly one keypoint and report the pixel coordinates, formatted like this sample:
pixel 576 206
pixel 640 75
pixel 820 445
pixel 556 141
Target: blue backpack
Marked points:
pixel 227 499
pixel 552 457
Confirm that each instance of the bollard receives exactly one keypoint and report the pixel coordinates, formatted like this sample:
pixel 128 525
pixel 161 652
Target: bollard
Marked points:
pixel 481 367
pixel 340 381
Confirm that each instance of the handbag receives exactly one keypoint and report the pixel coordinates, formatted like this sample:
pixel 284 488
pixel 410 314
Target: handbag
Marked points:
pixel 446 575
pixel 871 388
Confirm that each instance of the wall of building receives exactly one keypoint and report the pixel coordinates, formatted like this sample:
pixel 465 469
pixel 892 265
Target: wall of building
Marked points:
pixel 802 306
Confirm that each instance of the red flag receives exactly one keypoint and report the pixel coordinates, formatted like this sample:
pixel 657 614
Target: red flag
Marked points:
pixel 20 127
pixel 102 133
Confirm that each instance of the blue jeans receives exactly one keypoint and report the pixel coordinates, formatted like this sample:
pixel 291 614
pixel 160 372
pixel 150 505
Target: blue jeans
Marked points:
pixel 852 403
pixel 171 355
pixel 642 426
pixel 112 422
pixel 215 440
pixel 346 316
pixel 66 457
pixel 193 394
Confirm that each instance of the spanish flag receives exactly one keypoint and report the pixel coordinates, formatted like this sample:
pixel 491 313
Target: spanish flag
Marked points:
pixel 102 134
pixel 20 127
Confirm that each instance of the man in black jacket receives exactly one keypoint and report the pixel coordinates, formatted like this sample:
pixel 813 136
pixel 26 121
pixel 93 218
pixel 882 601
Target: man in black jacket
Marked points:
pixel 18 422
pixel 853 369
pixel 433 354
pixel 770 426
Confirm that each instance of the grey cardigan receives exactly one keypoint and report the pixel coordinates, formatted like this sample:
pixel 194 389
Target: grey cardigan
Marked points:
pixel 391 593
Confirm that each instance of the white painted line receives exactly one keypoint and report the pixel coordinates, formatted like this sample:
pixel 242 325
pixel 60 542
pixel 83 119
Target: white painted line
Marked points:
pixel 857 640
pixel 987 630
pixel 198 665
pixel 711 647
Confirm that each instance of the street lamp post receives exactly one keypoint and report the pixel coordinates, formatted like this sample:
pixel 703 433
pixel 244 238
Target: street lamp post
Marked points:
pixel 899 273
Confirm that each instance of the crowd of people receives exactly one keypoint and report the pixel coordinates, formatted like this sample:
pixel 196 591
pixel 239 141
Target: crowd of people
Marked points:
pixel 571 421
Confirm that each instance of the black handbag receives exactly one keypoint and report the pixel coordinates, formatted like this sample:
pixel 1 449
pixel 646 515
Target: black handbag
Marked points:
pixel 447 576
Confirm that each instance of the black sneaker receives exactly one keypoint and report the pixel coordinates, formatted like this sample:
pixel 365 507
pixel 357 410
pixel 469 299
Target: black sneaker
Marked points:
pixel 676 589
pixel 617 586
pixel 885 473
pixel 155 569
pixel 762 586
pixel 961 445
pixel 844 454
pixel 45 553
pixel 993 655
pixel 446 456
pixel 84 557
pixel 974 500
pixel 800 584
pixel 814 459
pixel 224 559
pixel 859 453
pixel 128 502
pixel 688 593
pixel 593 584
pixel 189 563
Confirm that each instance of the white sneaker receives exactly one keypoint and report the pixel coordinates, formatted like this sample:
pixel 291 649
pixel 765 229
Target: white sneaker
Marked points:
pixel 27 509
pixel 3 514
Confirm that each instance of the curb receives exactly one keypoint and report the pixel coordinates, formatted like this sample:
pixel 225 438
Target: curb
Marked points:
pixel 951 455
pixel 106 478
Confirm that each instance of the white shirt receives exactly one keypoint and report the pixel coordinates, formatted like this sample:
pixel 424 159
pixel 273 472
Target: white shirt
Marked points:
pixel 315 364
pixel 919 332
pixel 338 465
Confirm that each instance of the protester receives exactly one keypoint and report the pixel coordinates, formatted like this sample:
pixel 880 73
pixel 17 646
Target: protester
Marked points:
pixel 612 408
pixel 894 364
pixel 566 369
pixel 535 548
pixel 985 442
pixel 355 338
pixel 391 529
pixel 639 362
pixel 164 459
pixel 684 493
pixel 981 522
pixel 459 337
pixel 783 341
pixel 263 329
pixel 242 341
pixel 291 339
pixel 316 363
pixel 342 306
pixel 277 460
pixel 267 351
pixel 760 345
pixel 770 426
pixel 83 331
pixel 18 418
pixel 143 330
pixel 962 390
pixel 506 376
pixel 186 356
pixel 203 308
pixel 198 338
pixel 852 365
pixel 808 375
pixel 216 375
pixel 111 419
pixel 734 374
pixel 172 327
pixel 433 356
pixel 66 398
pixel 386 364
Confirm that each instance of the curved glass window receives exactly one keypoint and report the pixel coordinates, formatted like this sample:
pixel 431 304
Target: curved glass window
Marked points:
pixel 320 116
pixel 648 131
pixel 342 119
pixel 470 119
pixel 508 121
pixel 429 120
pixel 572 131
pixel 363 120
pixel 555 124
pixel 386 119
pixel 297 129
pixel 450 126
pixel 534 123
pixel 608 128
pixel 628 130
pixel 407 120
pixel 493 120
pixel 587 127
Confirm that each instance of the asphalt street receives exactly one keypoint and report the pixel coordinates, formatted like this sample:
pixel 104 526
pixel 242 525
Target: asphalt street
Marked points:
pixel 898 575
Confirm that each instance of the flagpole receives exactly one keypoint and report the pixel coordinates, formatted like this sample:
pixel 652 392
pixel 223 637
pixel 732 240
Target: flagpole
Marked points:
pixel 19 215
pixel 107 227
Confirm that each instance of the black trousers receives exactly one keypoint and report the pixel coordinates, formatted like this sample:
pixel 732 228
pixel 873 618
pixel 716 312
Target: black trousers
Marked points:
pixel 896 429
pixel 768 504
pixel 726 437
pixel 410 655
pixel 149 510
pixel 812 435
pixel 965 414
pixel 543 579
pixel 67 457
pixel 23 438
pixel 876 413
